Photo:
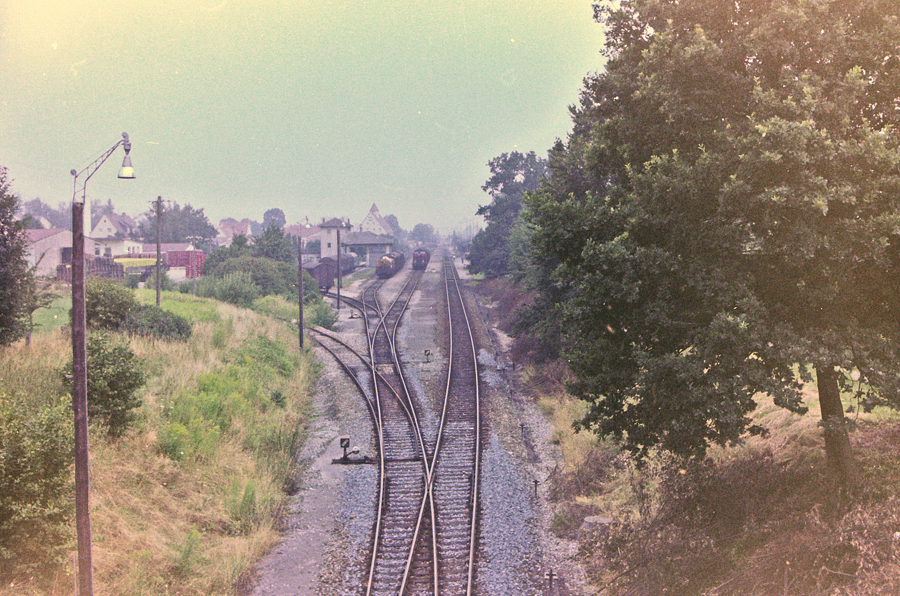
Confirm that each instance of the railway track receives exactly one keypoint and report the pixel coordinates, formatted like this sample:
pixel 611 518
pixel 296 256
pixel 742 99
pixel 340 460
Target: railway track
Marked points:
pixel 424 536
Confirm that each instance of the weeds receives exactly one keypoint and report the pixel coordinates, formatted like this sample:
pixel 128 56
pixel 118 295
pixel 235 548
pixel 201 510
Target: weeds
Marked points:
pixel 168 515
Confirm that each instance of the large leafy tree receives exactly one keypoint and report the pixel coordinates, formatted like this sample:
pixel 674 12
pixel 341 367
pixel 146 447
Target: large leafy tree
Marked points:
pixel 274 216
pixel 14 271
pixel 722 215
pixel 179 224
pixel 512 175
pixel 61 217
pixel 273 244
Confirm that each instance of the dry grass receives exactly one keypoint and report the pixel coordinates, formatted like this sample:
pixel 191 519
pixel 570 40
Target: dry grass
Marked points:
pixel 180 527
pixel 760 518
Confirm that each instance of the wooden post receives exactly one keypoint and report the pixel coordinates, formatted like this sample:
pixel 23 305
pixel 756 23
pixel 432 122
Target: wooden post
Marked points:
pixel 300 291
pixel 338 283
pixel 79 406
pixel 158 241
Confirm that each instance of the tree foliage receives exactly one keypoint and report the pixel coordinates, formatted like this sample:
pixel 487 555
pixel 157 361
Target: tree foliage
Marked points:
pixel 35 487
pixel 61 217
pixel 424 233
pixel 273 244
pixel 722 211
pixel 179 224
pixel 274 217
pixel 512 175
pixel 14 271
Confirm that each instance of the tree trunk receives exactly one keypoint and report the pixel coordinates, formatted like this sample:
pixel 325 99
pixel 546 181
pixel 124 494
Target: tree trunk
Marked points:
pixel 837 440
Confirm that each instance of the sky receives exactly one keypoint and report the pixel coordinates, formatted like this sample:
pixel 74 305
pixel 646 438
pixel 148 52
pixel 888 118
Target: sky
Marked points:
pixel 317 107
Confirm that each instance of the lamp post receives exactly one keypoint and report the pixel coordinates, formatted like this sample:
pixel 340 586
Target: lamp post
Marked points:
pixel 79 364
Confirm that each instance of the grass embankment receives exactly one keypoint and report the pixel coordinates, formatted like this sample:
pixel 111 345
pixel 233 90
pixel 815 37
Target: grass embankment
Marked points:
pixel 763 518
pixel 190 497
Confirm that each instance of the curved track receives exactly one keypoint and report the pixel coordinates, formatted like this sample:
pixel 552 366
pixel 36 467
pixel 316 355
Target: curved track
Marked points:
pixel 424 537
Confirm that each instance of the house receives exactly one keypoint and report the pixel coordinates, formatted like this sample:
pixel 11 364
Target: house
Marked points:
pixel 115 247
pixel 331 236
pixel 114 225
pixel 367 245
pixel 48 248
pixel 373 222
pixel 229 228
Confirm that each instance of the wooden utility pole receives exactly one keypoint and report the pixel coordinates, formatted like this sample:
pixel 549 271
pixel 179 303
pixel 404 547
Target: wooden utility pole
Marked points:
pixel 158 246
pixel 79 405
pixel 300 291
pixel 338 283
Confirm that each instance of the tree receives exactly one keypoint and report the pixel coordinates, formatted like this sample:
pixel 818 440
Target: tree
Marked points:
pixel 60 217
pixel 424 233
pixel 14 272
pixel 274 217
pixel 179 224
pixel 240 246
pixel 512 175
pixel 724 211
pixel 273 244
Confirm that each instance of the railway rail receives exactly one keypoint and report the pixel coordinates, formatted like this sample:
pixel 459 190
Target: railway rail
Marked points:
pixel 425 532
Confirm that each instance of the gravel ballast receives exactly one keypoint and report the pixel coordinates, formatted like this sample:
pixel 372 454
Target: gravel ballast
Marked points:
pixel 327 531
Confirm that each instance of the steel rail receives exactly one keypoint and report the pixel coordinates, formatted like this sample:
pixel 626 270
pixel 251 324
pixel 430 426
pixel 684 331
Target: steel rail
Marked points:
pixel 474 498
pixel 406 404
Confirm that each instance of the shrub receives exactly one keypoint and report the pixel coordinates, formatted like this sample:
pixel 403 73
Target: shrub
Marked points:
pixel 150 320
pixel 166 284
pixel 319 314
pixel 114 375
pixel 272 277
pixel 237 288
pixel 107 303
pixel 35 492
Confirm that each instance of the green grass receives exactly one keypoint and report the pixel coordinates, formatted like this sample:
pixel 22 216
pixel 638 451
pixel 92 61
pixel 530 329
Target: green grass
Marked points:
pixel 54 316
pixel 188 499
pixel 192 308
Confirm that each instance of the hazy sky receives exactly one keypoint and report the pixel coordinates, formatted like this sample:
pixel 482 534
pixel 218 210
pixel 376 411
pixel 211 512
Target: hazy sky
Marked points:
pixel 318 107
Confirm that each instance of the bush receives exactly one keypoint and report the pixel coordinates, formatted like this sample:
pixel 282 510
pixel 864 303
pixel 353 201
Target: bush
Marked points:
pixel 107 303
pixel 35 493
pixel 319 315
pixel 237 288
pixel 272 277
pixel 113 378
pixel 150 320
pixel 166 284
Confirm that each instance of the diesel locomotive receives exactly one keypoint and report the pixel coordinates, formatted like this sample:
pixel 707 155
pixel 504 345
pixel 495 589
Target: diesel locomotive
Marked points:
pixel 420 258
pixel 390 264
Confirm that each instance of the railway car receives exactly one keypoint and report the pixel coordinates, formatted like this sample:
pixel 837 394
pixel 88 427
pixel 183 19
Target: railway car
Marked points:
pixel 420 259
pixel 323 272
pixel 390 264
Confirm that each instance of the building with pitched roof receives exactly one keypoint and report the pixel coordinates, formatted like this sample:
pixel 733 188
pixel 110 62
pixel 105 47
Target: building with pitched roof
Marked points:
pixel 373 222
pixel 114 225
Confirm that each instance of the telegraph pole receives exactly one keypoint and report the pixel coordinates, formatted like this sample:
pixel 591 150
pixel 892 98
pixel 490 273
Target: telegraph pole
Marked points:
pixel 300 291
pixel 158 247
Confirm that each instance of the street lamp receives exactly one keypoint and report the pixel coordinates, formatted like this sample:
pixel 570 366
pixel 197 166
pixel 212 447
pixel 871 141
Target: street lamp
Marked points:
pixel 85 572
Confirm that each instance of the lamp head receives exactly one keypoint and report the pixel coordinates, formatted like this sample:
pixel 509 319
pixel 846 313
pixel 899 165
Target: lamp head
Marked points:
pixel 126 172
